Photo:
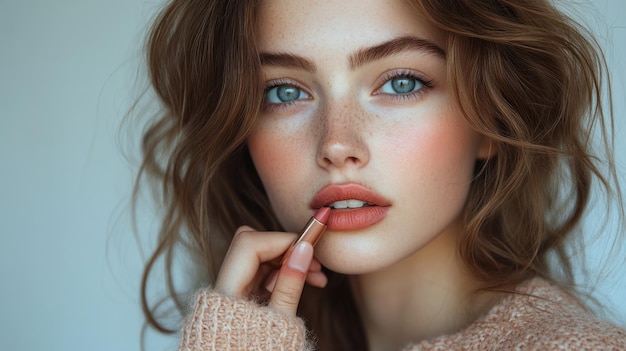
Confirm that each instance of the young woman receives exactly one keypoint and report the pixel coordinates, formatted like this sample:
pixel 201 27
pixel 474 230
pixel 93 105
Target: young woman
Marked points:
pixel 450 140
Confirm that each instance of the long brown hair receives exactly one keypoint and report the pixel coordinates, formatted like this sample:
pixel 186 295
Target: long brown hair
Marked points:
pixel 525 75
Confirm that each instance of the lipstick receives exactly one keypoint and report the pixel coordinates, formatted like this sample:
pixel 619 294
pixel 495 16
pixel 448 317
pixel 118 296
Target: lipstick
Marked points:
pixel 312 231
pixel 373 206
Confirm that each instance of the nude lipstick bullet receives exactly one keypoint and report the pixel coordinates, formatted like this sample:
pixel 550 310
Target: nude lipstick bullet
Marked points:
pixel 312 231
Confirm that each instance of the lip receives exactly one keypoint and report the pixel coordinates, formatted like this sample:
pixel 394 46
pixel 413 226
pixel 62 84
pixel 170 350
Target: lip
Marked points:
pixel 351 218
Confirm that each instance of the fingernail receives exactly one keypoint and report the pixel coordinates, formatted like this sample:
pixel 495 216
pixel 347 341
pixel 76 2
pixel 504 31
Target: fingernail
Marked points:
pixel 301 257
pixel 271 282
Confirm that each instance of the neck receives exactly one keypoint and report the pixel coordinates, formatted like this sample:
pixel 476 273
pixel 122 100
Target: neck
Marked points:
pixel 428 294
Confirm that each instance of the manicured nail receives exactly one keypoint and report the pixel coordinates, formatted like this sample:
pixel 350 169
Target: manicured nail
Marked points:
pixel 271 282
pixel 301 257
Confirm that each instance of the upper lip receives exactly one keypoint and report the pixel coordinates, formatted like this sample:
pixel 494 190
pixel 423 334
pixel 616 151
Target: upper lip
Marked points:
pixel 340 192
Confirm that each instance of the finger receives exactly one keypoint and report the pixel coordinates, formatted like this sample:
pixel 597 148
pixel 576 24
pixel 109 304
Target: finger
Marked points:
pixel 271 281
pixel 315 265
pixel 317 279
pixel 246 253
pixel 314 277
pixel 244 228
pixel 286 294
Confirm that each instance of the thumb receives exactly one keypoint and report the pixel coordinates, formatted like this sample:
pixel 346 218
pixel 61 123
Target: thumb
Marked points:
pixel 288 289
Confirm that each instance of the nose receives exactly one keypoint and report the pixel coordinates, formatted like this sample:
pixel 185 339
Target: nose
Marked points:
pixel 341 139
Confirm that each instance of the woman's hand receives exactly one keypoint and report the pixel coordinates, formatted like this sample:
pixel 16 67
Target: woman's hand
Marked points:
pixel 252 268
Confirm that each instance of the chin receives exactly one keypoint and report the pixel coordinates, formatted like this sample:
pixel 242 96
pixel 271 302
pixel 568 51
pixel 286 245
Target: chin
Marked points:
pixel 353 259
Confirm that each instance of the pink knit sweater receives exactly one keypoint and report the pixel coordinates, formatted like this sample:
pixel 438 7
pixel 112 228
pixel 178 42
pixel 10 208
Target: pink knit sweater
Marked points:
pixel 541 317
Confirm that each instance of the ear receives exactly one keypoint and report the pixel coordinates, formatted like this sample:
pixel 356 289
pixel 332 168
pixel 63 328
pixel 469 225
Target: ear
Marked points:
pixel 487 148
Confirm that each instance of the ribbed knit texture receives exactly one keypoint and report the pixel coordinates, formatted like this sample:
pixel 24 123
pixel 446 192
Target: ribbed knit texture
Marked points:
pixel 541 317
pixel 225 323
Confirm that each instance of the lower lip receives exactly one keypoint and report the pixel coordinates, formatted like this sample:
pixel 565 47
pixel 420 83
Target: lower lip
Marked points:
pixel 356 218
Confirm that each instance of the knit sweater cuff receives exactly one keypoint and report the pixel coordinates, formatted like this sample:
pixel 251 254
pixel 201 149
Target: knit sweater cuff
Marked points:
pixel 221 322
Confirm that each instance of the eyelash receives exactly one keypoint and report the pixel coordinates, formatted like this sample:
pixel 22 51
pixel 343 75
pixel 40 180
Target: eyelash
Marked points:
pixel 427 84
pixel 277 83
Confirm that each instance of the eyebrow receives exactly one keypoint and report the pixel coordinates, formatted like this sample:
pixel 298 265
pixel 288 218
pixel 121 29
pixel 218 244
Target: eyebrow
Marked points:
pixel 361 56
pixel 394 46
pixel 287 60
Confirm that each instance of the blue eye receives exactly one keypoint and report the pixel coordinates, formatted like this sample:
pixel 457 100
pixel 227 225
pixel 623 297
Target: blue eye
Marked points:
pixel 281 94
pixel 401 85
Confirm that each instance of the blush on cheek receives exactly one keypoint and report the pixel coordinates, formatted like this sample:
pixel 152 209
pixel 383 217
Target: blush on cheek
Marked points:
pixel 267 150
pixel 438 155
pixel 278 162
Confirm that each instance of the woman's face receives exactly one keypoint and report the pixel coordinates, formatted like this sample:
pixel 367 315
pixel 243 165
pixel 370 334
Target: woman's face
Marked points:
pixel 358 114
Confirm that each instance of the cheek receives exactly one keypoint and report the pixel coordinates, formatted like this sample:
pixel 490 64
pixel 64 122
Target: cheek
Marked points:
pixel 276 155
pixel 437 160
pixel 451 152
pixel 266 153
pixel 435 147
pixel 272 149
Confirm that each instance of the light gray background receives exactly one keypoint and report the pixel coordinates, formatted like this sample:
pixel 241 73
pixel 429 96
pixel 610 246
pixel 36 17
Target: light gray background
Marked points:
pixel 69 264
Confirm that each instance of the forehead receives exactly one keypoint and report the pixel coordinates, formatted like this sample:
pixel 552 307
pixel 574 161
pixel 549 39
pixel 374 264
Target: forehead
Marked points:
pixel 305 25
